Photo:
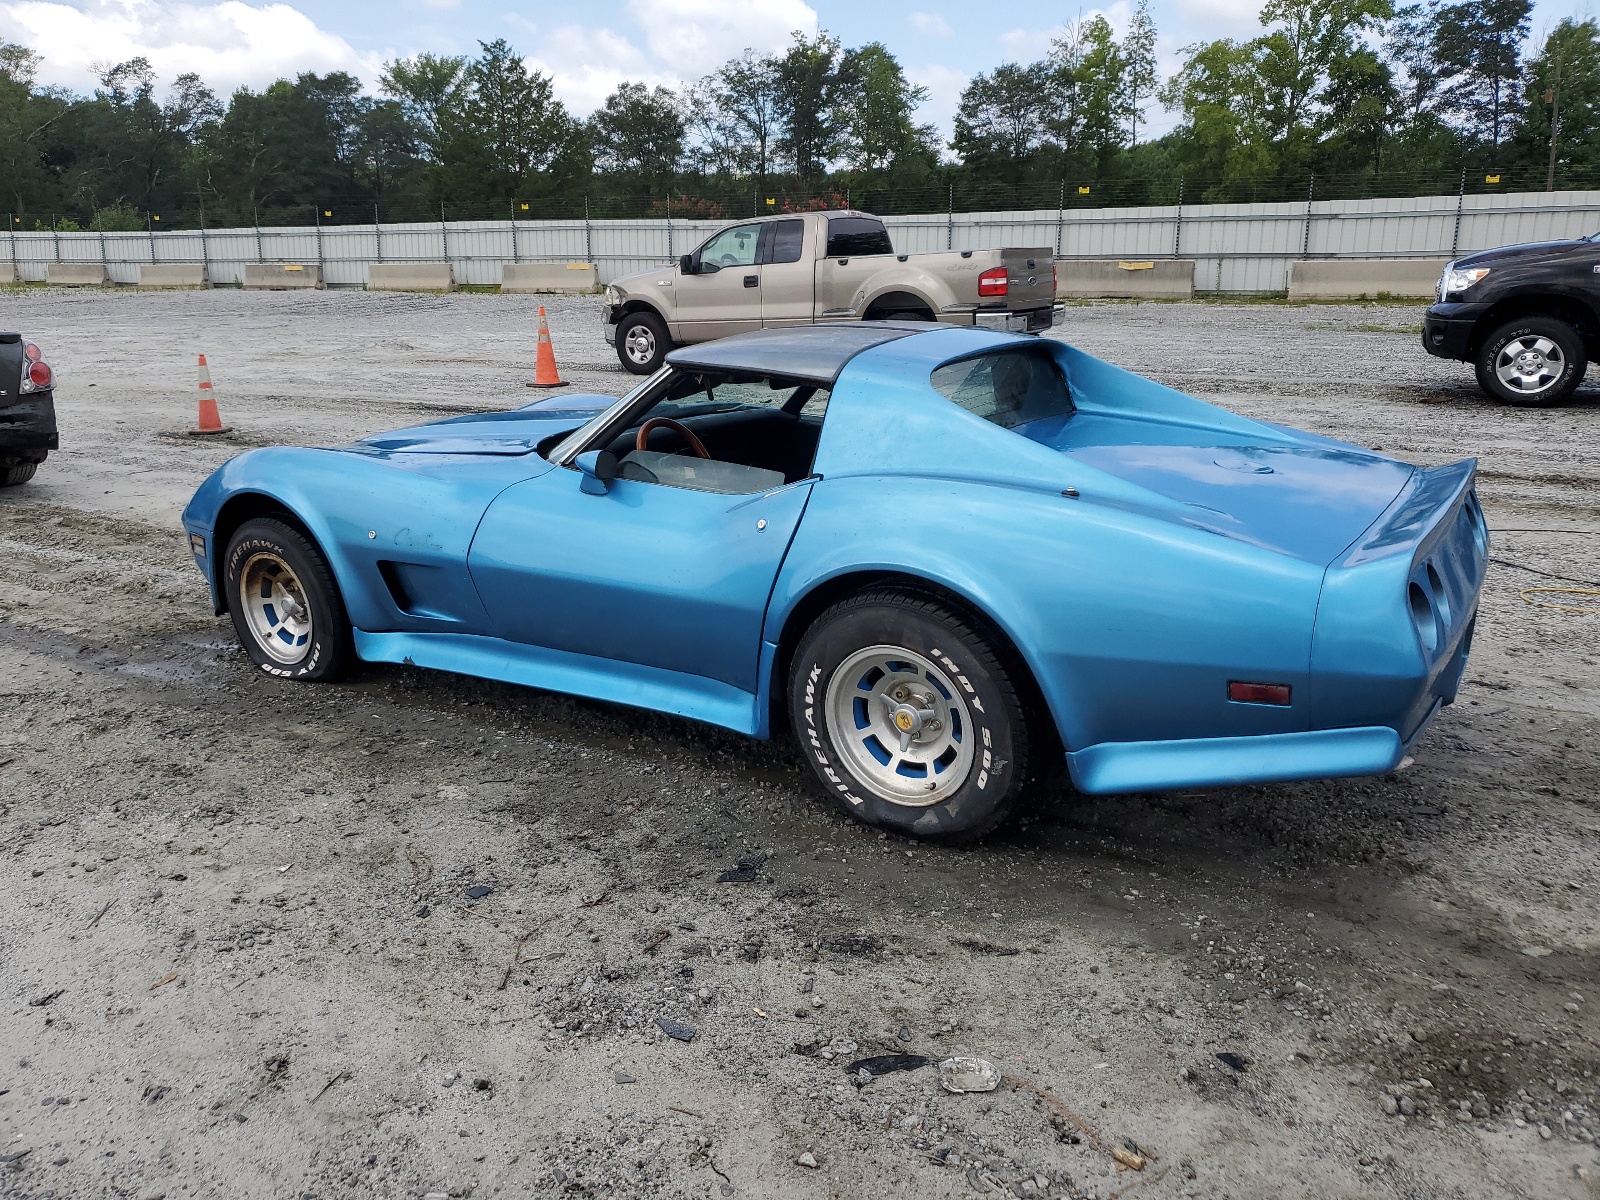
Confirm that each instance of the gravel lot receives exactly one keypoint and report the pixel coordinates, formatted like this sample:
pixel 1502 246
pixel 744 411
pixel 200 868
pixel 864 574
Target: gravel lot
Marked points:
pixel 238 955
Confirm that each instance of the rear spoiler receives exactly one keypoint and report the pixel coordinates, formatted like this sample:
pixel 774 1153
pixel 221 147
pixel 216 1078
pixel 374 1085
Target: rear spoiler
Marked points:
pixel 1419 508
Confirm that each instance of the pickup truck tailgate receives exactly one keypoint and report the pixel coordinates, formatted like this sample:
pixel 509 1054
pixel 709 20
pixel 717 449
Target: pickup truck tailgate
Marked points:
pixel 1032 276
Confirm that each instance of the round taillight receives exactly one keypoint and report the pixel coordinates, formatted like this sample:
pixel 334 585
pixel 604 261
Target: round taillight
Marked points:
pixel 40 375
pixel 31 352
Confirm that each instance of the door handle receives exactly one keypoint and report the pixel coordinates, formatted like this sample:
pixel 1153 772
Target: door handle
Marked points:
pixel 752 281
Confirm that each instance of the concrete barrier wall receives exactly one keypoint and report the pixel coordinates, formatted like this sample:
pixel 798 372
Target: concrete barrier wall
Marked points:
pixel 1131 279
pixel 8 273
pixel 76 275
pixel 282 276
pixel 411 277
pixel 1351 278
pixel 172 275
pixel 567 278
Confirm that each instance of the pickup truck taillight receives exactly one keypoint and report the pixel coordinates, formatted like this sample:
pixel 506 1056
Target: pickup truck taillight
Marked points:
pixel 994 282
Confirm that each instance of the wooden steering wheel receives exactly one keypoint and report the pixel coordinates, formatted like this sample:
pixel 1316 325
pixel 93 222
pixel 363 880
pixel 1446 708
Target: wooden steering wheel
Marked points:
pixel 641 441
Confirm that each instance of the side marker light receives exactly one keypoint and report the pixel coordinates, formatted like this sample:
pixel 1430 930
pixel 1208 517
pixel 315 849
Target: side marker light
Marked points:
pixel 1258 693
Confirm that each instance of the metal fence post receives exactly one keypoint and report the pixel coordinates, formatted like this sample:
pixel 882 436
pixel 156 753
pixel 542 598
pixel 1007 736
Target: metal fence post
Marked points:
pixel 1061 205
pixel 444 231
pixel 316 215
pixel 1461 195
pixel 260 258
pixel 377 233
pixel 1305 241
pixel 950 220
pixel 588 233
pixel 55 236
pixel 669 226
pixel 1177 232
pixel 205 249
pixel 516 254
pixel 11 233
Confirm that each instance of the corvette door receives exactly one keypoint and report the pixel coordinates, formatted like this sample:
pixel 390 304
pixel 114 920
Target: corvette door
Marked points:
pixel 660 576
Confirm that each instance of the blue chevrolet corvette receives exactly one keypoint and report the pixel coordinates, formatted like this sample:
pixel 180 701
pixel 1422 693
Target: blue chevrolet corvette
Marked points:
pixel 950 556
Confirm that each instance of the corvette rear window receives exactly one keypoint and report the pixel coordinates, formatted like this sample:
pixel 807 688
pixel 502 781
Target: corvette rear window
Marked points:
pixel 1009 387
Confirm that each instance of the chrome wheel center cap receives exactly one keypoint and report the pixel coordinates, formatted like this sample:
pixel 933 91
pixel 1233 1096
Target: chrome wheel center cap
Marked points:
pixel 1530 362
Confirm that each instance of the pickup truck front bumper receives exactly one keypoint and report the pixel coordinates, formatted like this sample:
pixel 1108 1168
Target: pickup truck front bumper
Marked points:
pixel 1447 329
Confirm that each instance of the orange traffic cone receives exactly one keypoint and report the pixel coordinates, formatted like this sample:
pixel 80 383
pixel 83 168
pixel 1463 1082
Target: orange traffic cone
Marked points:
pixel 545 374
pixel 210 420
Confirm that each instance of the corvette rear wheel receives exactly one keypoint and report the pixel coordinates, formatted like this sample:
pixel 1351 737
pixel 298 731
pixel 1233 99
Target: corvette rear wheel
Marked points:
pixel 285 605
pixel 908 717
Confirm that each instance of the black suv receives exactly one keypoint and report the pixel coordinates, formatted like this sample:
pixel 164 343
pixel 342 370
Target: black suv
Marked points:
pixel 1528 317
pixel 27 409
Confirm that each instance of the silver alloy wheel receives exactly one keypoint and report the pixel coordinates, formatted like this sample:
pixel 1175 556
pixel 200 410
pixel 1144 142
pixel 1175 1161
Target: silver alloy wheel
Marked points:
pixel 639 344
pixel 901 724
pixel 275 608
pixel 1530 364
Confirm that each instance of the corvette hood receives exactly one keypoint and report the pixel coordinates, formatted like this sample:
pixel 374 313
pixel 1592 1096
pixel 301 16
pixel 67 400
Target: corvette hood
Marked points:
pixel 518 431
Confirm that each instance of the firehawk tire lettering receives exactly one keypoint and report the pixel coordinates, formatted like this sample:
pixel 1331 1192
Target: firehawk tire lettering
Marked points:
pixel 869 628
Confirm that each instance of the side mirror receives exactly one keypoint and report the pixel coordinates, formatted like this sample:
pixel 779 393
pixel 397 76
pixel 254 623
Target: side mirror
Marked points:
pixel 598 468
pixel 686 264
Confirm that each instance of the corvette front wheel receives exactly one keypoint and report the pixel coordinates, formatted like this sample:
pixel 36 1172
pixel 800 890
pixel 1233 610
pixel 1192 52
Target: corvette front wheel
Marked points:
pixel 285 605
pixel 908 717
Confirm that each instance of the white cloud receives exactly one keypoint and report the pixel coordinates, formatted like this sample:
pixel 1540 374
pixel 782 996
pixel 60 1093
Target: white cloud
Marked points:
pixel 692 37
pixel 930 25
pixel 229 45
pixel 588 64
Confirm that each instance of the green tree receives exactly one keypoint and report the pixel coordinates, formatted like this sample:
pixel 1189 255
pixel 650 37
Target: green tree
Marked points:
pixel 808 90
pixel 509 128
pixel 738 115
pixel 1139 78
pixel 1479 44
pixel 430 89
pixel 1000 114
pixel 1569 57
pixel 32 149
pixel 877 123
pixel 638 134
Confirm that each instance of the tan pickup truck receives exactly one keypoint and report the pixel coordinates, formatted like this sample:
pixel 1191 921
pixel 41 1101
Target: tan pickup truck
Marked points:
pixel 825 266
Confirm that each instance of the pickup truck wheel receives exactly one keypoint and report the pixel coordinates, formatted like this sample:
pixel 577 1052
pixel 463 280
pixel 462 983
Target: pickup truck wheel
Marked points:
pixel 21 473
pixel 1533 361
pixel 642 342
pixel 908 717
pixel 285 605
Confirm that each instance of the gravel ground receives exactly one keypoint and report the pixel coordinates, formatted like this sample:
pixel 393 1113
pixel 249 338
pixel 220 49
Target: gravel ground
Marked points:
pixel 245 948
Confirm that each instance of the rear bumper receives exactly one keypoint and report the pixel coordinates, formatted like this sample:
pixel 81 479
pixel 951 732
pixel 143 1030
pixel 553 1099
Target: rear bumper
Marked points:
pixel 28 428
pixel 1447 330
pixel 1032 321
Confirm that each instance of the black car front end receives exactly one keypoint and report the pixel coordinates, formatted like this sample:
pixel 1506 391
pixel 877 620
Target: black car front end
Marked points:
pixel 27 409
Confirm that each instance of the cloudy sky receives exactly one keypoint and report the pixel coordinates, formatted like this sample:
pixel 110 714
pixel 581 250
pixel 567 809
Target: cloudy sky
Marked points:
pixel 587 47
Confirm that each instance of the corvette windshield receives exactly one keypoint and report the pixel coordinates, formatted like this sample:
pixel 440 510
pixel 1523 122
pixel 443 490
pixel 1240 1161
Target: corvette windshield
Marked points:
pixel 1010 388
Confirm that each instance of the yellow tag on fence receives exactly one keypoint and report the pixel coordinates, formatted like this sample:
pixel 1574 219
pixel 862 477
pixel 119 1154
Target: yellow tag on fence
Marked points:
pixel 1137 266
pixel 1491 179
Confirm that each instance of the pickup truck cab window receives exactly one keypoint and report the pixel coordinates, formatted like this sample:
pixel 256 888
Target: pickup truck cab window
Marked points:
pixel 734 247
pixel 857 237
pixel 788 240
pixel 1010 388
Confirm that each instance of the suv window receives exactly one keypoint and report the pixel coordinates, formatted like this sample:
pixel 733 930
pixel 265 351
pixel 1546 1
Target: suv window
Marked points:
pixel 787 239
pixel 853 237
pixel 1008 387
pixel 734 247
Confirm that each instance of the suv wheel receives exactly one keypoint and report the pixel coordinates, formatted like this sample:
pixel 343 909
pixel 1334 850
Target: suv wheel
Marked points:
pixel 908 717
pixel 642 342
pixel 1532 361
pixel 18 473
